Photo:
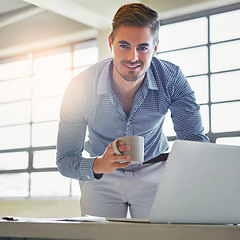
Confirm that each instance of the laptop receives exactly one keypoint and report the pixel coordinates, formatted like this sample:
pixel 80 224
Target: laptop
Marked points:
pixel 200 184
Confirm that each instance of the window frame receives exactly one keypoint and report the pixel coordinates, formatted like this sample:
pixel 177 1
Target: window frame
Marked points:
pixel 31 56
pixel 213 136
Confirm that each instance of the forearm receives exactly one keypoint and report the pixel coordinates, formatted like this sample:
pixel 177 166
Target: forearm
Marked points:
pixel 188 122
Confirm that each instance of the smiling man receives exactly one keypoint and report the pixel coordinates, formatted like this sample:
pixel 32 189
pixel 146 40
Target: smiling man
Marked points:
pixel 132 56
pixel 129 94
pixel 133 48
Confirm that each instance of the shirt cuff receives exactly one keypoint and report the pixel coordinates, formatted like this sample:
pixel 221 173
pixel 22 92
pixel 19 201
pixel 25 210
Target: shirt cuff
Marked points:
pixel 87 170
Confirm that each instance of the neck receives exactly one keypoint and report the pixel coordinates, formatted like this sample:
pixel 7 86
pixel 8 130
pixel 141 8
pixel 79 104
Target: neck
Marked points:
pixel 124 87
pixel 125 91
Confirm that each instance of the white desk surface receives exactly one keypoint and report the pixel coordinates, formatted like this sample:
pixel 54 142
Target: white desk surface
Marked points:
pixel 117 231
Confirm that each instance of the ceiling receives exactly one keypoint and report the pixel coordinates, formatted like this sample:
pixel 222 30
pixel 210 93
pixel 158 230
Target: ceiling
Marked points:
pixel 24 24
pixel 94 13
pixel 8 6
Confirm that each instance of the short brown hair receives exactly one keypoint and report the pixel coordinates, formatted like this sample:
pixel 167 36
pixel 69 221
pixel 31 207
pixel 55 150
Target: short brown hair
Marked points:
pixel 136 14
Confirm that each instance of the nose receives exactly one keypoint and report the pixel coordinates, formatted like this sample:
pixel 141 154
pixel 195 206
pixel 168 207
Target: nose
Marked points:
pixel 133 55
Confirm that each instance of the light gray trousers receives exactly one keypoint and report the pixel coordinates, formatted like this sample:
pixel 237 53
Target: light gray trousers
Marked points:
pixel 114 193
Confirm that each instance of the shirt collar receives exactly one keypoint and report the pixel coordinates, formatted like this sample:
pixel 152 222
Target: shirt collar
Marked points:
pixel 104 83
pixel 150 79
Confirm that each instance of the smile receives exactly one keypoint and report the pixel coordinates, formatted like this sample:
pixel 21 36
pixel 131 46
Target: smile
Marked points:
pixel 132 66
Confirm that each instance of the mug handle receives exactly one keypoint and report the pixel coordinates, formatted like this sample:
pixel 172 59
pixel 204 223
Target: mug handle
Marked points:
pixel 115 148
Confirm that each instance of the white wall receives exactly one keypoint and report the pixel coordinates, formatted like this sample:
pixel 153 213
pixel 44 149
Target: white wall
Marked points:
pixel 102 39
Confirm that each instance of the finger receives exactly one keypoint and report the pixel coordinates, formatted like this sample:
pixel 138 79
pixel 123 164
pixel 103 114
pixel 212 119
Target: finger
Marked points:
pixel 110 145
pixel 120 145
pixel 110 149
pixel 119 158
pixel 124 148
pixel 122 165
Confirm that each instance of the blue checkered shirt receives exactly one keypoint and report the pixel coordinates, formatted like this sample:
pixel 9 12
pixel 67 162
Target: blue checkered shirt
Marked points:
pixel 89 103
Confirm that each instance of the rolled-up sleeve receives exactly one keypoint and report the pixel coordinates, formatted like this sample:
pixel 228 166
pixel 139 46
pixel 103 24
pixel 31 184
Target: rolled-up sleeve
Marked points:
pixel 71 137
pixel 185 112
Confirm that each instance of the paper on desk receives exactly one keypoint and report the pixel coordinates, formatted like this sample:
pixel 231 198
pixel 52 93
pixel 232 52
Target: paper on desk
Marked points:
pixel 87 218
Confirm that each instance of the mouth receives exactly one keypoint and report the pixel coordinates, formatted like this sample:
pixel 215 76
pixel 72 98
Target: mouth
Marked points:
pixel 132 66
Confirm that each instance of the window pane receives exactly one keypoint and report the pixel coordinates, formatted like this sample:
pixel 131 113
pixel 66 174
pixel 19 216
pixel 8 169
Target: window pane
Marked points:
pixel 226 117
pixel 14 185
pixel 15 137
pixel 52 63
pixel 15 113
pixel 51 84
pixel 85 56
pixel 14 69
pixel 204 111
pixel 229 141
pixel 180 35
pixel 75 188
pixel 168 129
pixel 49 184
pixel 224 26
pixel 44 159
pixel 200 87
pixel 191 61
pixel 13 90
pixel 170 144
pixel 225 86
pixel 13 160
pixel 46 109
pixel 225 56
pixel 44 134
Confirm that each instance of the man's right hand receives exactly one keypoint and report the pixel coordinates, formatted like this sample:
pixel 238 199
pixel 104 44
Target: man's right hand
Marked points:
pixel 109 161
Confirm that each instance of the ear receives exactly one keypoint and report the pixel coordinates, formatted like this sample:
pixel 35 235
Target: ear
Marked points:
pixel 155 48
pixel 110 42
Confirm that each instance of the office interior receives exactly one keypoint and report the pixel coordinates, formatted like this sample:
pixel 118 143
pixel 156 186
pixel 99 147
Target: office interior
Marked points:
pixel 44 44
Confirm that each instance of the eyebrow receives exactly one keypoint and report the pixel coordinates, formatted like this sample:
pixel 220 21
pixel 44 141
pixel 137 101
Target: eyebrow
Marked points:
pixel 123 42
pixel 139 45
pixel 143 45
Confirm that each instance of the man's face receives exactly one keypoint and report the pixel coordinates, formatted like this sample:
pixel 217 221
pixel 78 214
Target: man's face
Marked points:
pixel 133 49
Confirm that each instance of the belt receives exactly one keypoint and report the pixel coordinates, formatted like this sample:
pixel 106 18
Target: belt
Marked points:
pixel 162 157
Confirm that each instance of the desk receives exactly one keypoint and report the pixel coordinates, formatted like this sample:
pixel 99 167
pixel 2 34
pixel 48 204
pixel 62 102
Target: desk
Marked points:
pixel 117 231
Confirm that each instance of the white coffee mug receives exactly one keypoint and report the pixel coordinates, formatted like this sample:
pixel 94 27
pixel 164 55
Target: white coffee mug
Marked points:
pixel 136 151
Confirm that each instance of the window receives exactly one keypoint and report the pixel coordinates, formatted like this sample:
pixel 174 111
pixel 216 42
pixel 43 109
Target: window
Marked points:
pixel 31 90
pixel 206 46
pixel 32 86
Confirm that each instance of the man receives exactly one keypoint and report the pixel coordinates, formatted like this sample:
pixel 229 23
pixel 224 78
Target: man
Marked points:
pixel 126 95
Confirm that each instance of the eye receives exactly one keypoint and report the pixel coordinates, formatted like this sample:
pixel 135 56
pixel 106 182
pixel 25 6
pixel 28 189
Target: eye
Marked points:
pixel 124 46
pixel 143 49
